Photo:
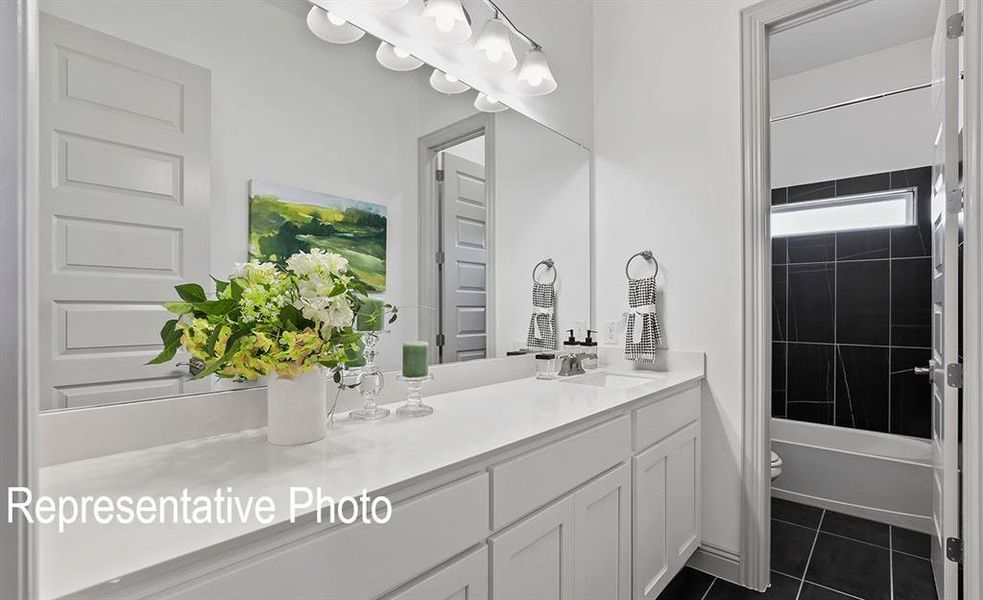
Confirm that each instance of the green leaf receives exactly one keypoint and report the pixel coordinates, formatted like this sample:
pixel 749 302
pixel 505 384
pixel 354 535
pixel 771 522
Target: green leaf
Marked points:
pixel 216 307
pixel 236 287
pixel 166 354
pixel 167 329
pixel 220 285
pixel 213 339
pixel 178 308
pixel 191 292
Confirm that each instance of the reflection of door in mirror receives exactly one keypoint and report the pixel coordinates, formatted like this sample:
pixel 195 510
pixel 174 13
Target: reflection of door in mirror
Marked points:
pixel 125 139
pixel 464 225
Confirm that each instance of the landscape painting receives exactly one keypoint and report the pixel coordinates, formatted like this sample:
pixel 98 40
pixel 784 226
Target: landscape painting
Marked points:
pixel 284 220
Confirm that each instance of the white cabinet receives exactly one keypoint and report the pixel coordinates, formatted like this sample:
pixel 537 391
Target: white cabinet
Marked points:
pixel 464 579
pixel 602 532
pixel 665 510
pixel 534 559
pixel 576 548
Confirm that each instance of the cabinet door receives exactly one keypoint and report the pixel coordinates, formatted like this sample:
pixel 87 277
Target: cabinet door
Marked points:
pixel 602 513
pixel 534 559
pixel 665 510
pixel 464 579
pixel 684 495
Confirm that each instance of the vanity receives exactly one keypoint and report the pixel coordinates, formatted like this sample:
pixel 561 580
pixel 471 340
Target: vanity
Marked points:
pixel 182 139
pixel 581 487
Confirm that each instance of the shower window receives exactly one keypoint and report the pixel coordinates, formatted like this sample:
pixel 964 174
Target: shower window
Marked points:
pixel 878 210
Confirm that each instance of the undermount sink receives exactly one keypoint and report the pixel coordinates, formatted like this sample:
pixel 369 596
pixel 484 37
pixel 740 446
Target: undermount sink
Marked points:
pixel 609 380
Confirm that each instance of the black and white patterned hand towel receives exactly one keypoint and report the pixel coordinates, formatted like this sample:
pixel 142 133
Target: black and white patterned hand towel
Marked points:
pixel 643 334
pixel 542 325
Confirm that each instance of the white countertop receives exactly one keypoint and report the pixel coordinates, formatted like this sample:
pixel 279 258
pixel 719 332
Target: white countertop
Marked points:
pixel 377 456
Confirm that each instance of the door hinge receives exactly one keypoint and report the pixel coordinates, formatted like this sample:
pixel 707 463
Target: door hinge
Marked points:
pixel 954 375
pixel 954 26
pixel 954 201
pixel 440 174
pixel 440 257
pixel 954 549
pixel 440 340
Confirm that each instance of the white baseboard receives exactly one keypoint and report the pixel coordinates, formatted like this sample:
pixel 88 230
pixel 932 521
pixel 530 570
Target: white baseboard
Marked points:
pixel 718 562
pixel 906 520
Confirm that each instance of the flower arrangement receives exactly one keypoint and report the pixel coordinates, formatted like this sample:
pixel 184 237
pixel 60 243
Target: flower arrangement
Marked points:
pixel 269 319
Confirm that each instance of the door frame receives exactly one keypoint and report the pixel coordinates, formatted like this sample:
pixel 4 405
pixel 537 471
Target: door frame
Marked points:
pixel 18 289
pixel 757 23
pixel 972 450
pixel 429 147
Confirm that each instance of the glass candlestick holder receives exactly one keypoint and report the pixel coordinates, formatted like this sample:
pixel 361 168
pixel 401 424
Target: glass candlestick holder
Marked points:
pixel 414 406
pixel 370 381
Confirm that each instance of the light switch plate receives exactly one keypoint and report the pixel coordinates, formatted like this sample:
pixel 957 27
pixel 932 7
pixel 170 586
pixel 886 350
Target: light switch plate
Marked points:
pixel 611 332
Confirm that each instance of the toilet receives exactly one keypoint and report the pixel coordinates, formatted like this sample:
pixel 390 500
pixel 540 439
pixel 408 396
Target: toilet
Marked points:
pixel 776 465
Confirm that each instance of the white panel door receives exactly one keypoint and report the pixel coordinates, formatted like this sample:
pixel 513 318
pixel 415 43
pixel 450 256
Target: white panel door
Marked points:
pixel 124 208
pixel 534 559
pixel 946 206
pixel 602 534
pixel 464 272
pixel 665 510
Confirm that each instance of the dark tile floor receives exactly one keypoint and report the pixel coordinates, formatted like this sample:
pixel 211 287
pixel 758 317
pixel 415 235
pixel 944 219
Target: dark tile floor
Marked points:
pixel 819 554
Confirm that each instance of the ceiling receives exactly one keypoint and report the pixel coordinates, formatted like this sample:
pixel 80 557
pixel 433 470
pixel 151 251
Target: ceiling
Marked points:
pixel 860 30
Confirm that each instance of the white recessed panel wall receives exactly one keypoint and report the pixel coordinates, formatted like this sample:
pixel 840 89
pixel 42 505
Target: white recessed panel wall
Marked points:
pixel 668 178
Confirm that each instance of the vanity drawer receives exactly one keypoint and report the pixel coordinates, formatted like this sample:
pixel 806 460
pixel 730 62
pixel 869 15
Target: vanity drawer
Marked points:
pixel 361 561
pixel 527 482
pixel 658 420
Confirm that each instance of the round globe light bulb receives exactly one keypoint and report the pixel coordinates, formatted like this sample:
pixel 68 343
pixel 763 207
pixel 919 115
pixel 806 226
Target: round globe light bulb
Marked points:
pixel 494 54
pixel 491 99
pixel 444 23
pixel 535 79
pixel 400 52
pixel 450 78
pixel 336 20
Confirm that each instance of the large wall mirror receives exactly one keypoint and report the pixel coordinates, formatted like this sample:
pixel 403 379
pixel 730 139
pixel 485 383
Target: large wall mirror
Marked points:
pixel 180 138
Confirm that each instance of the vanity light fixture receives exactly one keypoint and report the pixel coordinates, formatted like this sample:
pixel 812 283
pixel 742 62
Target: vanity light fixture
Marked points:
pixel 494 47
pixel 332 28
pixel 535 77
pixel 445 83
pixel 489 104
pixel 446 21
pixel 396 59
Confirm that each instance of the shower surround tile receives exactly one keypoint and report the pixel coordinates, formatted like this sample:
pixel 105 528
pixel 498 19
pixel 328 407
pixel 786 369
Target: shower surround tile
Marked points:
pixel 863 302
pixel 862 387
pixel 811 301
pixel 911 302
pixel 865 294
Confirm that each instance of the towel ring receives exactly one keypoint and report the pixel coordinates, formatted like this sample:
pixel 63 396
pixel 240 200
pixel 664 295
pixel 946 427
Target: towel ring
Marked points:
pixel 647 255
pixel 548 263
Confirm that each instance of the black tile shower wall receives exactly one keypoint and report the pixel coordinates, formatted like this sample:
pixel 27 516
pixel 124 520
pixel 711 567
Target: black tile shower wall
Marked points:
pixel 852 315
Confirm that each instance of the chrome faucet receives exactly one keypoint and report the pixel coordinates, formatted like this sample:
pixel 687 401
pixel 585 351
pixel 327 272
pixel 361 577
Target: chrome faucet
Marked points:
pixel 572 364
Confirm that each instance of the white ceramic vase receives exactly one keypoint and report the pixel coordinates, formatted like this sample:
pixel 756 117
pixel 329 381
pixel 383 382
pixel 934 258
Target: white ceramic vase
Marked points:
pixel 297 409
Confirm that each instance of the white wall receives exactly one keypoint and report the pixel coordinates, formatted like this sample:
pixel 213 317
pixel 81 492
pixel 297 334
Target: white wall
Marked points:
pixel 667 177
pixel 886 134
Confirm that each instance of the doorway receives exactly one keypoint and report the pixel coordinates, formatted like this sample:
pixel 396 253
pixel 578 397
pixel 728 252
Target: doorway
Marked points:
pixel 456 245
pixel 931 218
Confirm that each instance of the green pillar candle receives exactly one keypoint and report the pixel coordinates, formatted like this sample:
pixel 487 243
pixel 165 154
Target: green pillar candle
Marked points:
pixel 415 359
pixel 371 315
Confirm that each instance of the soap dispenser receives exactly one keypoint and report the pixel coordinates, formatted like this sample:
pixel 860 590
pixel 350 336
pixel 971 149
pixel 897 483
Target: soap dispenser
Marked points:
pixel 589 351
pixel 571 345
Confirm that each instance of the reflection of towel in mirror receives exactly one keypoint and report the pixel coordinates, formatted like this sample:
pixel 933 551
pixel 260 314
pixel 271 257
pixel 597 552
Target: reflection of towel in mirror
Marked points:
pixel 542 325
pixel 643 333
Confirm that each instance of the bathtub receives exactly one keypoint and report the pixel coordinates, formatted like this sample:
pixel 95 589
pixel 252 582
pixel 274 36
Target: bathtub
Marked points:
pixel 879 476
